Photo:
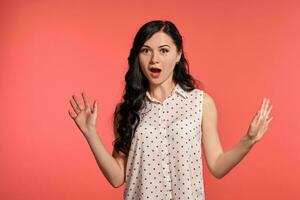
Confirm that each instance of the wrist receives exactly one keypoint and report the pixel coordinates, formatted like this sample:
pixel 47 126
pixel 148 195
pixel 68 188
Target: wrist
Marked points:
pixel 248 141
pixel 91 135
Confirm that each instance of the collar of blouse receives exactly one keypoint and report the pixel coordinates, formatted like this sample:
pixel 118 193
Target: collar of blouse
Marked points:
pixel 177 89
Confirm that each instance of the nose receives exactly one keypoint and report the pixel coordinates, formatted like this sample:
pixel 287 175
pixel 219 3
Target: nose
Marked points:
pixel 154 58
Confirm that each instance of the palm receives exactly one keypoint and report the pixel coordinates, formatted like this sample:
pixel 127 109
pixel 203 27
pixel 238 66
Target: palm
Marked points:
pixel 84 117
pixel 260 122
pixel 86 120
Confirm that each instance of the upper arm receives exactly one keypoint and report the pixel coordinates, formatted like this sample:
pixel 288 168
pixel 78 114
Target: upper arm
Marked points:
pixel 211 141
pixel 120 157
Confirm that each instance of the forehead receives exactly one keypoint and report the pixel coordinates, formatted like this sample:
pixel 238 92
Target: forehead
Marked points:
pixel 158 39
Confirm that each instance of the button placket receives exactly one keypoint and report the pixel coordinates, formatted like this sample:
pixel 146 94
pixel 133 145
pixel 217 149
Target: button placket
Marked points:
pixel 159 114
pixel 165 152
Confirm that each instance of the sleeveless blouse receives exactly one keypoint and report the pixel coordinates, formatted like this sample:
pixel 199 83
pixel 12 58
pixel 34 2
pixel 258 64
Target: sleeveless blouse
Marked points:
pixel 164 160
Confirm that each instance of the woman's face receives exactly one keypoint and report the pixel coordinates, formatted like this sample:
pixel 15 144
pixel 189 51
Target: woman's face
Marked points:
pixel 158 57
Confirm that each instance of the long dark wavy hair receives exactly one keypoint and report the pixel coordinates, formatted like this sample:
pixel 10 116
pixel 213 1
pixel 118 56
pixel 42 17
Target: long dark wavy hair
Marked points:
pixel 126 117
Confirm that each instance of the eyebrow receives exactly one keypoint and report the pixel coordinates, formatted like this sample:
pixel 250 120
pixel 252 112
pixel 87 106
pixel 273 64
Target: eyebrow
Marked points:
pixel 158 47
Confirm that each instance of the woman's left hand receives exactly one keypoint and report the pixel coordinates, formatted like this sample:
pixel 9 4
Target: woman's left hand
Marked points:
pixel 260 122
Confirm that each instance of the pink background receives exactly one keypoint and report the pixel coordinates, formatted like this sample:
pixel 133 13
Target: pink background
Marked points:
pixel 49 50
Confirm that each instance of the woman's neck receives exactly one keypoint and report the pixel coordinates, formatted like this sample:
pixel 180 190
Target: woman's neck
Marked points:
pixel 162 91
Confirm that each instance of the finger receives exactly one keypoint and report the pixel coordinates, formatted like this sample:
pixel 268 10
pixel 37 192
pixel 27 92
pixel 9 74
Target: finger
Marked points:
pixel 266 124
pixel 262 105
pixel 269 111
pixel 262 109
pixel 79 105
pixel 95 107
pixel 255 118
pixel 259 120
pixel 86 100
pixel 269 120
pixel 72 115
pixel 266 107
pixel 74 106
pixel 259 112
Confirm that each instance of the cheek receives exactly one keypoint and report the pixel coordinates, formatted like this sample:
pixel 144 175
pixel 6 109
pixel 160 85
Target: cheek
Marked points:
pixel 143 65
pixel 170 63
pixel 142 61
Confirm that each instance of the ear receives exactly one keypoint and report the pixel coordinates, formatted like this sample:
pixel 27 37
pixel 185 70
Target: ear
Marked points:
pixel 178 56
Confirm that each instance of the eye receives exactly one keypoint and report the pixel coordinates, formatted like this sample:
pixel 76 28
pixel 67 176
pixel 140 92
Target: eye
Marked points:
pixel 144 50
pixel 164 50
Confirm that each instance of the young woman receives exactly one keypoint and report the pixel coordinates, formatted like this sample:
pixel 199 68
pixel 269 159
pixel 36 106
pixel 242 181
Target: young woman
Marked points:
pixel 162 123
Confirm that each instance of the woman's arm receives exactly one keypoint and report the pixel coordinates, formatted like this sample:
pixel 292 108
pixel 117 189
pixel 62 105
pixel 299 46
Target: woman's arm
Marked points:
pixel 219 162
pixel 112 166
pixel 227 160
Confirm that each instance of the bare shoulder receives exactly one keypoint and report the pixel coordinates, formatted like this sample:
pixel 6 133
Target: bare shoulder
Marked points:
pixel 210 113
pixel 208 101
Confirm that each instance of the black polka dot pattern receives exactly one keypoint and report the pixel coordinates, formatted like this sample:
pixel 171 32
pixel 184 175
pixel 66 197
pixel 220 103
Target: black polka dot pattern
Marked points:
pixel 164 160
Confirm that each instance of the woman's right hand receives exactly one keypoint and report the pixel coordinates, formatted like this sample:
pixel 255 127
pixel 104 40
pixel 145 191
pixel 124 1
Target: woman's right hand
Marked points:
pixel 84 117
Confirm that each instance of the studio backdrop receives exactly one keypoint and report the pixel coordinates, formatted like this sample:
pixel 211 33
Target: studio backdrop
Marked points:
pixel 242 51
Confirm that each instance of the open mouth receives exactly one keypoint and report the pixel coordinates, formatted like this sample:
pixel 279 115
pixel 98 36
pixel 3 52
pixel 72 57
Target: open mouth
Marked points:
pixel 155 72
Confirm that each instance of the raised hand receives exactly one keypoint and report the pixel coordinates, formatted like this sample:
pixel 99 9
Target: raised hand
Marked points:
pixel 260 122
pixel 84 117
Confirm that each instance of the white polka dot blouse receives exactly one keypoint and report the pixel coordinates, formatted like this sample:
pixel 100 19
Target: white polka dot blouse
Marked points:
pixel 164 161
